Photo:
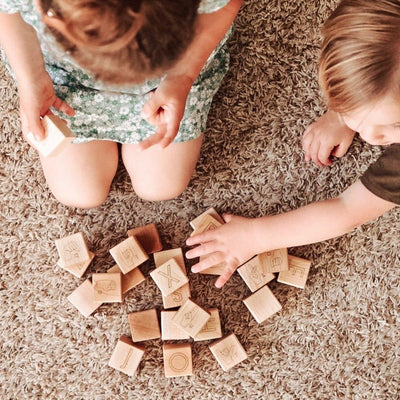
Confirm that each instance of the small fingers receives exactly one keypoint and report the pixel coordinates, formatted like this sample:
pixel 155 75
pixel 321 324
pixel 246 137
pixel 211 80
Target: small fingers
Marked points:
pixel 201 250
pixel 324 154
pixel 201 238
pixel 226 274
pixel 63 107
pixel 207 262
pixel 151 141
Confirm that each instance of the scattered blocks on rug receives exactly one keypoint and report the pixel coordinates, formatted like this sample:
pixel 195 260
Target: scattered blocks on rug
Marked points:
pixel 252 272
pixel 211 211
pixel 129 280
pixel 191 317
pixel 274 261
pixel 262 304
pixel 129 254
pixel 177 359
pixel 82 298
pixel 228 351
pixel 169 277
pixel 148 237
pixel 297 273
pixel 126 356
pixel 144 325
pixel 107 287
pixel 58 136
pixel 169 330
pixel 77 269
pixel 212 328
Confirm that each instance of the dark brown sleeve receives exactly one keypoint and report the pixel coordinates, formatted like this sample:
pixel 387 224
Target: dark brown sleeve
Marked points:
pixel 383 177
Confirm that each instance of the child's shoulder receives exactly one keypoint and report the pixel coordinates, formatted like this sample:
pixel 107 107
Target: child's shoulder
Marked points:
pixel 209 6
pixel 15 6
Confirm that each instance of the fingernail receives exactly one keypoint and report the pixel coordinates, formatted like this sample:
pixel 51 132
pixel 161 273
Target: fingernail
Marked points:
pixel 194 270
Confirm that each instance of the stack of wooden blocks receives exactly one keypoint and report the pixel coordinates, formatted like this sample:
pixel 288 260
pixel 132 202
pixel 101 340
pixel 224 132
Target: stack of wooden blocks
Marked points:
pixel 182 319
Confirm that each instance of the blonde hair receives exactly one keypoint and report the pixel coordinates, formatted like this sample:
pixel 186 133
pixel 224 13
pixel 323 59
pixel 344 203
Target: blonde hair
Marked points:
pixel 122 41
pixel 360 57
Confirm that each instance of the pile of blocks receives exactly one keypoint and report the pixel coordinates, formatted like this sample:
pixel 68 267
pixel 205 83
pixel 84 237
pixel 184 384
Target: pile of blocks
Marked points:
pixel 182 318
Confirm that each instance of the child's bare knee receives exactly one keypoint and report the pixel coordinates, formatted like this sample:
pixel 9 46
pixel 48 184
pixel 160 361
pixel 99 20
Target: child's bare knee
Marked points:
pixel 159 192
pixel 79 200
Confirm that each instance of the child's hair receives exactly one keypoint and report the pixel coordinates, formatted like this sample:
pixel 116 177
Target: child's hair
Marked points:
pixel 360 57
pixel 122 41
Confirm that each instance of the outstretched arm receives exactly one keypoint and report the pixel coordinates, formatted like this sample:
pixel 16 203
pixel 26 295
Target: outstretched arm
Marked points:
pixel 242 238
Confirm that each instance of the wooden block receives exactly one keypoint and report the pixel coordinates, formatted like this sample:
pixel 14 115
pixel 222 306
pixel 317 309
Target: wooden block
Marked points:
pixel 274 261
pixel 162 257
pixel 228 351
pixel 126 356
pixel 58 135
pixel 207 223
pixel 72 250
pixel 82 298
pixel 107 287
pixel 77 269
pixel 212 328
pixel 148 237
pixel 177 359
pixel 177 298
pixel 191 317
pixel 211 211
pixel 169 330
pixel 129 254
pixel 129 280
pixel 297 273
pixel 144 325
pixel 169 277
pixel 262 304
pixel 253 274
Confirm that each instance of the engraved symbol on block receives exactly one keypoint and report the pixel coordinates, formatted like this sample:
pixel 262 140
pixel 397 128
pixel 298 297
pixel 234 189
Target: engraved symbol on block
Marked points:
pixel 209 326
pixel 297 271
pixel 255 275
pixel 71 252
pixel 189 318
pixel 178 362
pixel 169 276
pixel 105 286
pixel 125 363
pixel 210 226
pixel 128 256
pixel 177 296
pixel 229 353
pixel 276 261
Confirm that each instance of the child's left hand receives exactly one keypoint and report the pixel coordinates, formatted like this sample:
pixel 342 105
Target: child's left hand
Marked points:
pixel 231 242
pixel 165 109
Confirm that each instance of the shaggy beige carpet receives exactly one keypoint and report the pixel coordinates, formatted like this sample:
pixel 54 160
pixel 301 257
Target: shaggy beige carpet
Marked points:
pixel 336 339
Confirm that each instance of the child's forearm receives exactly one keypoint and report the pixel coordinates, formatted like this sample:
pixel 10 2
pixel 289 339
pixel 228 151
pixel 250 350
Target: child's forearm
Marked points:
pixel 320 220
pixel 210 29
pixel 21 45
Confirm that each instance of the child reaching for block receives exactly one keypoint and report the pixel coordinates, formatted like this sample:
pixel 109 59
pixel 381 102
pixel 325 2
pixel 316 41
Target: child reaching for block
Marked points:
pixel 359 73
pixel 139 73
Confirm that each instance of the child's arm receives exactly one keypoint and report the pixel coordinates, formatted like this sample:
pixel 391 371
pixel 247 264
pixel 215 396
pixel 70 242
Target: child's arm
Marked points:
pixel 21 45
pixel 166 106
pixel 326 137
pixel 241 238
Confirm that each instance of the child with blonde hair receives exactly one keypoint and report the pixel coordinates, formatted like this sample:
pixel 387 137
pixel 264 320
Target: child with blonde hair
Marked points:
pixel 359 73
pixel 135 72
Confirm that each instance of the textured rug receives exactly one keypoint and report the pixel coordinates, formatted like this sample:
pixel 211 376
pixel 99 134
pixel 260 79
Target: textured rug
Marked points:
pixel 336 339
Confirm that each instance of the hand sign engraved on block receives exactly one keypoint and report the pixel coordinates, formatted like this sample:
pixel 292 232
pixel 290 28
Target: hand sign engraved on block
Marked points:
pixel 228 351
pixel 253 274
pixel 297 274
pixel 107 287
pixel 274 261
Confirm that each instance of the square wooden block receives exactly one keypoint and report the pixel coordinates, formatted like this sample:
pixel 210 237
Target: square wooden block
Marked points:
pixel 177 359
pixel 228 351
pixel 144 325
pixel 79 269
pixel 148 237
pixel 72 250
pixel 254 275
pixel 262 304
pixel 169 330
pixel 126 356
pixel 274 261
pixel 107 287
pixel 82 298
pixel 191 317
pixel 177 298
pixel 58 136
pixel 169 277
pixel 211 211
pixel 129 254
pixel 129 280
pixel 212 328
pixel 297 274
pixel 162 257
pixel 207 223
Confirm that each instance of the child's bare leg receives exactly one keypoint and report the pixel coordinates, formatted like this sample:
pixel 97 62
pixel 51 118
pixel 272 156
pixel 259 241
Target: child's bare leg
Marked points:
pixel 161 174
pixel 81 175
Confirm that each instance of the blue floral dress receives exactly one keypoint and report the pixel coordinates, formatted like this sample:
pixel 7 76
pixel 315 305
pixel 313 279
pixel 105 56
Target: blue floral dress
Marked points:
pixel 105 112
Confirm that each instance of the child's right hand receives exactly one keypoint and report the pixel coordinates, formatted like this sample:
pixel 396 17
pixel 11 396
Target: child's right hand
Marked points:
pixel 326 137
pixel 36 98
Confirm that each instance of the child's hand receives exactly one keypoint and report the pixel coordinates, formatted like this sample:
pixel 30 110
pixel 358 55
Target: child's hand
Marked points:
pixel 36 98
pixel 327 137
pixel 231 242
pixel 165 109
